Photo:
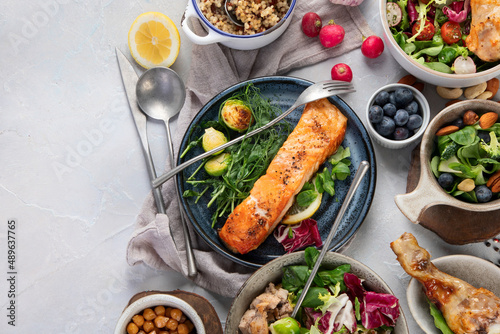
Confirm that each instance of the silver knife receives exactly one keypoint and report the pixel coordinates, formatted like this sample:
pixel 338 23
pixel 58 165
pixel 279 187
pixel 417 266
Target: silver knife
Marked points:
pixel 130 78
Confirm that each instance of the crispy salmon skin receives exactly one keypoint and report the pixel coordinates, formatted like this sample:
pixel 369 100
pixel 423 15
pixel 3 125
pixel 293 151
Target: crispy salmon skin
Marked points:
pixel 318 134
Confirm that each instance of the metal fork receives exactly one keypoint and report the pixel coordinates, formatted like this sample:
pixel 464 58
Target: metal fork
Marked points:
pixel 314 92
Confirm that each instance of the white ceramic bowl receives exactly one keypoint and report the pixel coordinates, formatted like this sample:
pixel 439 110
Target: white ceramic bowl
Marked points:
pixel 272 272
pixel 154 300
pixel 424 73
pixel 238 42
pixel 398 144
pixel 473 270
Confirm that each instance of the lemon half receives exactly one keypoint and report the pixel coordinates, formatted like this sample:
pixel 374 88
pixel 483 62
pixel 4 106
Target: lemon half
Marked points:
pixel 296 213
pixel 153 40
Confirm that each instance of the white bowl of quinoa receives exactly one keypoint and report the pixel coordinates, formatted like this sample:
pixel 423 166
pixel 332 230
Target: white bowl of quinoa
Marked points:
pixel 264 21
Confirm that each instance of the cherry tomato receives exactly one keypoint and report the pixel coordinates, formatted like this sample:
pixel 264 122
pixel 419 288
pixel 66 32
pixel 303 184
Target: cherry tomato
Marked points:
pixel 450 31
pixel 427 33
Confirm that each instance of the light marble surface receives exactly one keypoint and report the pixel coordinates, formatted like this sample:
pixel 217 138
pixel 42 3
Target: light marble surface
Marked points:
pixel 73 176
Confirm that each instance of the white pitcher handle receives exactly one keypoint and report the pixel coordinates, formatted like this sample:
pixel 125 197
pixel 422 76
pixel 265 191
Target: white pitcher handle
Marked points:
pixel 211 38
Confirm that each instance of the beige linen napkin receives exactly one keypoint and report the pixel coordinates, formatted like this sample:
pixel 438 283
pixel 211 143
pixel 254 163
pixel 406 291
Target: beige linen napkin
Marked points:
pixel 214 68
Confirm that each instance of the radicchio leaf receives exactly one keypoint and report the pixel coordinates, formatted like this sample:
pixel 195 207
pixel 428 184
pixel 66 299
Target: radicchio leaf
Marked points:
pixel 412 11
pixel 376 309
pixel 305 233
pixel 457 11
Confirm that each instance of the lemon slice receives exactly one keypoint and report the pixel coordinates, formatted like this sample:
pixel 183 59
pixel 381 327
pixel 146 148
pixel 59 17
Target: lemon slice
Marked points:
pixel 296 213
pixel 153 40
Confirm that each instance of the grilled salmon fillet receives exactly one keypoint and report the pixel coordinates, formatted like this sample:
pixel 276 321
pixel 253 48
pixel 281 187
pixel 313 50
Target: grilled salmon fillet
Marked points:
pixel 484 37
pixel 318 134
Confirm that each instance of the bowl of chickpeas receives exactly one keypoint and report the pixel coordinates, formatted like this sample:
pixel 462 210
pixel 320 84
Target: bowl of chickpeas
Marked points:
pixel 159 314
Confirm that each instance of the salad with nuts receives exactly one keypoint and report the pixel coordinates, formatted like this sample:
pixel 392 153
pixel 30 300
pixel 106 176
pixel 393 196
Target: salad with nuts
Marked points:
pixel 466 160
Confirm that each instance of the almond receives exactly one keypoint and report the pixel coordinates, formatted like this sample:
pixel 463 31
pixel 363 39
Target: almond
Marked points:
pixel 493 179
pixel 449 103
pixel 492 86
pixel 487 120
pixel 419 86
pixel 466 185
pixel 447 130
pixel 470 117
pixel 408 80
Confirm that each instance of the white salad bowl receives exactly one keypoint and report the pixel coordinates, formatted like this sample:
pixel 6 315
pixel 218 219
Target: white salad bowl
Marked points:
pixel 273 271
pixel 238 42
pixel 475 271
pixel 424 73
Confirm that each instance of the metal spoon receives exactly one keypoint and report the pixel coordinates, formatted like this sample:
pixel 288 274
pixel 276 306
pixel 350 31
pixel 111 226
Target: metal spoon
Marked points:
pixel 360 173
pixel 160 95
pixel 231 14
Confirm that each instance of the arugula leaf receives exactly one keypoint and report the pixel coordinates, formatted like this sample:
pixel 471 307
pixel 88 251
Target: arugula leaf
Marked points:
pixel 311 254
pixel 312 297
pixel 306 197
pixel 294 277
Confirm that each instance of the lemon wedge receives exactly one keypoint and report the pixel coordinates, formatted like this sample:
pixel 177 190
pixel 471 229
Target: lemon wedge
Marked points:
pixel 153 40
pixel 296 213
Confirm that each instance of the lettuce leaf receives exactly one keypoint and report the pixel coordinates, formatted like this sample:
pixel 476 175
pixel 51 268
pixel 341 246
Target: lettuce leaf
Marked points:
pixel 439 321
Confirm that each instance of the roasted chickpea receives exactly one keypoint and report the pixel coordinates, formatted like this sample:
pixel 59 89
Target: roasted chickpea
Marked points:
pixel 182 329
pixel 132 328
pixel 163 332
pixel 141 332
pixel 189 324
pixel 138 320
pixel 176 314
pixel 183 318
pixel 172 324
pixel 148 326
pixel 167 312
pixel 149 314
pixel 160 310
pixel 161 321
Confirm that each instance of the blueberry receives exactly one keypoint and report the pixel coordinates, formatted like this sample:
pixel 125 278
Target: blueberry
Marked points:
pixel 401 133
pixel 458 122
pixel 386 127
pixel 382 98
pixel 390 110
pixel 392 98
pixel 401 117
pixel 412 107
pixel 414 122
pixel 403 97
pixel 485 136
pixel 375 114
pixel 483 194
pixel 446 180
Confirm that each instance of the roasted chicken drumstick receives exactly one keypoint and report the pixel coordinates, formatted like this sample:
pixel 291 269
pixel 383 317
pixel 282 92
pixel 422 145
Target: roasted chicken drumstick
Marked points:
pixel 467 310
pixel 484 37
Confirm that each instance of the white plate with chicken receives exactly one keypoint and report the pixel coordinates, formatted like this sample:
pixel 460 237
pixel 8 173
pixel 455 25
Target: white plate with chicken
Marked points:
pixel 464 289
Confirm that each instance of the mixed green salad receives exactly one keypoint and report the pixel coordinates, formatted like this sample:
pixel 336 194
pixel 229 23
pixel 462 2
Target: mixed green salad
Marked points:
pixel 464 160
pixel 337 302
pixel 433 33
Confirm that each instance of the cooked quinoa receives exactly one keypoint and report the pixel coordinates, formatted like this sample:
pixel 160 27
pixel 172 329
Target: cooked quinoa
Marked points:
pixel 257 15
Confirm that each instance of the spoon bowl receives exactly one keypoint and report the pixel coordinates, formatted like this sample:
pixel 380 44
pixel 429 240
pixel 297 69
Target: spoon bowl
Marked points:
pixel 231 14
pixel 160 95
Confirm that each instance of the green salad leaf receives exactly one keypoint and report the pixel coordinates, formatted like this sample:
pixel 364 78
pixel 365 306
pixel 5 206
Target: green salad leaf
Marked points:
pixel 439 321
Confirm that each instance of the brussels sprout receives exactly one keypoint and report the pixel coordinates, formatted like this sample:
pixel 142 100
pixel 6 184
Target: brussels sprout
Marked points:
pixel 285 326
pixel 213 138
pixel 236 115
pixel 216 166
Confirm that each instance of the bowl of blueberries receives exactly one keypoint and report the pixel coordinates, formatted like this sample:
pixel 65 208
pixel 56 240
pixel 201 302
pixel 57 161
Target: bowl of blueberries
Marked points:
pixel 397 115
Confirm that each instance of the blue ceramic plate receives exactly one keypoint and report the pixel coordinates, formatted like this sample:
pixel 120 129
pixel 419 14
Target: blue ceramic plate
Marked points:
pixel 283 91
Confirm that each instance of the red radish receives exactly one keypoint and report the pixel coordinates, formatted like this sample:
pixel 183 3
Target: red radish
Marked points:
pixel 372 47
pixel 331 34
pixel 311 24
pixel 342 72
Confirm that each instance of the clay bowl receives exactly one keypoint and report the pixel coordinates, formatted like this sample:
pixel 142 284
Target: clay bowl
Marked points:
pixel 455 221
